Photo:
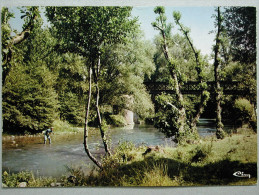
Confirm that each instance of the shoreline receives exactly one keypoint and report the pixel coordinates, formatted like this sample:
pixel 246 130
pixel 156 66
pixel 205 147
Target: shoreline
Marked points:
pixel 212 154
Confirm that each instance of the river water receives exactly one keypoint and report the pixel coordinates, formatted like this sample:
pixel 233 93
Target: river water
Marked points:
pixel 68 150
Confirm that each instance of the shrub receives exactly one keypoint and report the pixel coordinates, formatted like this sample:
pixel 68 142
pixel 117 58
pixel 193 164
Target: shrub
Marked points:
pixel 244 112
pixel 201 152
pixel 63 126
pixel 13 180
pixel 117 120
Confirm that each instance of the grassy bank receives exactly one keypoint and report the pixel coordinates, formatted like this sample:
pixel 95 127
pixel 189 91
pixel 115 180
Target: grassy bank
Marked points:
pixel 60 127
pixel 209 162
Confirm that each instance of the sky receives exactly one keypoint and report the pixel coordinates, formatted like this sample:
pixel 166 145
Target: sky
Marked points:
pixel 198 19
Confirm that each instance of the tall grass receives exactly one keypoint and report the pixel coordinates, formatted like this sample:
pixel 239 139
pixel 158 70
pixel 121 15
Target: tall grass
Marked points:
pixel 64 126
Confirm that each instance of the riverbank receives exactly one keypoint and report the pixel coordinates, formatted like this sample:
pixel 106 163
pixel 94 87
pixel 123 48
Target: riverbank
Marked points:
pixel 209 162
pixel 16 141
pixel 61 130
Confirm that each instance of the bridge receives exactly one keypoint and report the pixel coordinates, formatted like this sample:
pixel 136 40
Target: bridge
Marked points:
pixel 193 87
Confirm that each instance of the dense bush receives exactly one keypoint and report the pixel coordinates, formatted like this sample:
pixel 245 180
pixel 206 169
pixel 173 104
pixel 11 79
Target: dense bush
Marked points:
pixel 244 112
pixel 117 120
pixel 29 100
pixel 63 126
pixel 166 120
pixel 166 117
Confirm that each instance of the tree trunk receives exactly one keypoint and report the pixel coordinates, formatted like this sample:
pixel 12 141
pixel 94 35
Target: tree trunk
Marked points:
pixel 203 95
pixel 86 123
pixel 182 118
pixel 100 121
pixel 104 139
pixel 198 114
pixel 219 124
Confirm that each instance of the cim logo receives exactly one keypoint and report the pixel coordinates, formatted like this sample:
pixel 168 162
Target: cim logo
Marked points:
pixel 241 174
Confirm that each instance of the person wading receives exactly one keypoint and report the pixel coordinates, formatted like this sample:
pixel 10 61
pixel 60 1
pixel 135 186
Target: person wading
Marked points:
pixel 47 135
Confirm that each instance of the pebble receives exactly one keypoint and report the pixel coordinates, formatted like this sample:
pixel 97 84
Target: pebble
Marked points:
pixel 22 185
pixel 58 184
pixel 55 184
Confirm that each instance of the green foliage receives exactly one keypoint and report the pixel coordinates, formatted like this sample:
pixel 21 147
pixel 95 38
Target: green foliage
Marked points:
pixel 71 87
pixel 31 16
pixel 29 100
pixel 186 63
pixel 220 133
pixel 13 180
pixel 244 108
pixel 31 20
pixel 209 162
pixel 166 119
pixel 125 66
pixel 177 16
pixel 70 108
pixel 180 49
pixel 63 126
pixel 244 111
pixel 43 85
pixel 212 162
pixel 159 10
pixel 246 74
pixel 6 28
pixel 84 30
pixel 201 152
pixel 160 23
pixel 117 120
pixel 124 152
pixel 240 25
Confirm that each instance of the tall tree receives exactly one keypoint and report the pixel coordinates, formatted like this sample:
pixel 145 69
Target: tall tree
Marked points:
pixel 184 62
pixel 164 28
pixel 204 94
pixel 240 26
pixel 219 92
pixel 31 15
pixel 30 101
pixel 85 30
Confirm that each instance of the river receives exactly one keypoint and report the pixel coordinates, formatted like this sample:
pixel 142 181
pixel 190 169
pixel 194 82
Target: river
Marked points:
pixel 51 160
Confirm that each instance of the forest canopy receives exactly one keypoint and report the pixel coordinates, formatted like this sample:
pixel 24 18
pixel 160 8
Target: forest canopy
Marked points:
pixel 46 67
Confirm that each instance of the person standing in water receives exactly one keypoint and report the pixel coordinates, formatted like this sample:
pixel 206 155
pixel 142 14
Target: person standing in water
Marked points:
pixel 47 135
